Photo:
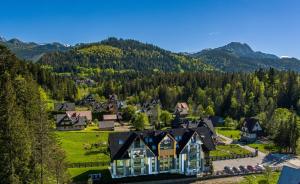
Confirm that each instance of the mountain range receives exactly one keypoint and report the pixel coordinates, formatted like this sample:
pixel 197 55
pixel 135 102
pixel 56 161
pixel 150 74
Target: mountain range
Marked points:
pixel 120 54
pixel 30 50
pixel 237 56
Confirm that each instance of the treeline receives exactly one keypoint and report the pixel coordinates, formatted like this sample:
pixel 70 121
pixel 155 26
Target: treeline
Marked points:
pixel 29 152
pixel 119 54
pixel 228 94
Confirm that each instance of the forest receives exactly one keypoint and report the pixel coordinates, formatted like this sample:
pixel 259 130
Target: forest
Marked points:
pixel 29 151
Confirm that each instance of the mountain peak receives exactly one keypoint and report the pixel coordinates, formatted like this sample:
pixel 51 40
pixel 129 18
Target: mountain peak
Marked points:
pixel 15 41
pixel 240 49
pixel 2 39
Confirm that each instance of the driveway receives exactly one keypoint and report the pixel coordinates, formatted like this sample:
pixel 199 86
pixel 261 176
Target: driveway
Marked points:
pixel 272 160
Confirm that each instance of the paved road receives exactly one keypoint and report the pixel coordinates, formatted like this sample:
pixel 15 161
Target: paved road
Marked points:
pixel 273 160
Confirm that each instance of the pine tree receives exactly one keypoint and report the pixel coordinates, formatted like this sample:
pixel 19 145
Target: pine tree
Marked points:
pixel 14 137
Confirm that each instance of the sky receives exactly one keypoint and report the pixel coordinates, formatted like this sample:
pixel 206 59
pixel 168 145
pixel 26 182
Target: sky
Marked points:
pixel 271 26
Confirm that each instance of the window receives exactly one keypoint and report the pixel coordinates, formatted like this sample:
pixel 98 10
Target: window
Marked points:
pixel 153 164
pixel 150 139
pixel 166 143
pixel 137 144
pixel 178 138
pixel 120 167
pixel 165 163
pixel 153 147
pixel 121 141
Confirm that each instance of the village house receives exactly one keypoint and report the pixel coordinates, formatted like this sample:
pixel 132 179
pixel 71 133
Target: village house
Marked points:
pixel 64 106
pixel 251 130
pixel 73 120
pixel 150 109
pixel 108 122
pixel 67 122
pixel 88 100
pixel 182 109
pixel 185 123
pixel 217 120
pixel 182 151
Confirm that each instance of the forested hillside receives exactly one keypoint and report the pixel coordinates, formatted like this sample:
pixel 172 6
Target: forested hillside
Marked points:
pixel 119 54
pixel 29 152
pixel 31 51
pixel 240 57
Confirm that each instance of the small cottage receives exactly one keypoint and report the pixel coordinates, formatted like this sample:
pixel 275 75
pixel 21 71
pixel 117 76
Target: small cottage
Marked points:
pixel 251 130
pixel 182 108
pixel 108 122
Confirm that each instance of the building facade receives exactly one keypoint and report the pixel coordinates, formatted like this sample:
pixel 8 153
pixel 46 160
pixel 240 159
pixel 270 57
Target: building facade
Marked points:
pixel 182 151
pixel 251 130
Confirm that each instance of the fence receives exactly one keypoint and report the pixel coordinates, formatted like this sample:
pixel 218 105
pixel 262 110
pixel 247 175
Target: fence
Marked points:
pixel 215 158
pixel 87 164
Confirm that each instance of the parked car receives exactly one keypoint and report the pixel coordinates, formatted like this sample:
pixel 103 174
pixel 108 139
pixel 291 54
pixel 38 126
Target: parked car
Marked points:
pixel 259 168
pixel 219 173
pixel 243 169
pixel 236 170
pixel 228 170
pixel 250 168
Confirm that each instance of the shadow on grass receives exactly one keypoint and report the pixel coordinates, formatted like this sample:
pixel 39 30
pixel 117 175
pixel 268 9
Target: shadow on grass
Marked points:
pixel 92 152
pixel 83 177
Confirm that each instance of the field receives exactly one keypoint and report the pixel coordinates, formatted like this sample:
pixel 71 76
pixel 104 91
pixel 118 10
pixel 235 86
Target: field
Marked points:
pixel 229 132
pixel 228 150
pixel 78 145
pixel 265 148
pixel 261 178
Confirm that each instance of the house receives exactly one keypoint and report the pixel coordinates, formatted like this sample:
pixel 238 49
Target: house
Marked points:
pixel 182 108
pixel 108 122
pixel 150 108
pixel 185 123
pixel 70 122
pixel 251 129
pixel 181 151
pixel 99 107
pixel 89 100
pixel 86 114
pixel 289 175
pixel 217 120
pixel 64 106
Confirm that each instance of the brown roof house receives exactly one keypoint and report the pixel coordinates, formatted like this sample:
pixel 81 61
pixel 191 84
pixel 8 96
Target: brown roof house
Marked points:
pixel 108 122
pixel 182 109
pixel 70 122
pixel 86 114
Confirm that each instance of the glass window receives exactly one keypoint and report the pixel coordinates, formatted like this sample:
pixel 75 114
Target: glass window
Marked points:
pixel 137 144
pixel 121 141
pixel 166 143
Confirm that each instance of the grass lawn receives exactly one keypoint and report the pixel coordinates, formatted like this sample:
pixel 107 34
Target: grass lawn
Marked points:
pixel 229 132
pixel 74 143
pixel 265 148
pixel 81 174
pixel 228 150
pixel 261 178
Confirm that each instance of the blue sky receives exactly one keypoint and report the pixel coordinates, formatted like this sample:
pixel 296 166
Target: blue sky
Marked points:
pixel 271 26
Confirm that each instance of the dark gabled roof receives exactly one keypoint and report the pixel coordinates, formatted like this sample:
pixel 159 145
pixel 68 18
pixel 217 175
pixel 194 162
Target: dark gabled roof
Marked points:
pixel 249 123
pixel 64 106
pixel 185 123
pixel 289 175
pixel 217 120
pixel 76 120
pixel 119 151
pixel 207 122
